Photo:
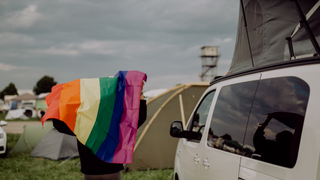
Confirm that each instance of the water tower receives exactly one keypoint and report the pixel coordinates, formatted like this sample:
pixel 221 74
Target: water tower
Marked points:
pixel 209 57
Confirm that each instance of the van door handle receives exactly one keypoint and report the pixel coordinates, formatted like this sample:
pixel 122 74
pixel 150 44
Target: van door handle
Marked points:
pixel 196 159
pixel 240 178
pixel 206 164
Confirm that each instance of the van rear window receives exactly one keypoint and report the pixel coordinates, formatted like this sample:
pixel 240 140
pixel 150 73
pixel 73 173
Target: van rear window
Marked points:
pixel 276 120
pixel 262 120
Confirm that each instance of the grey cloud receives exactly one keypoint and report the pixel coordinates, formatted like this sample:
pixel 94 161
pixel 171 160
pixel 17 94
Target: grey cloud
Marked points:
pixel 72 39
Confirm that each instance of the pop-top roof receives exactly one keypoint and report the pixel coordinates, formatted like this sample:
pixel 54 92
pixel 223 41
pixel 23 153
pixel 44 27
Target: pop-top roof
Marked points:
pixel 269 23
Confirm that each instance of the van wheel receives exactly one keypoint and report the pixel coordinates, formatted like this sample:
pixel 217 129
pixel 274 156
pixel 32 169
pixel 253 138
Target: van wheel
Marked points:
pixel 5 153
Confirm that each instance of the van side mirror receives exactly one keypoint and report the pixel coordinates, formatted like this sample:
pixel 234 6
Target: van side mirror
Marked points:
pixel 176 130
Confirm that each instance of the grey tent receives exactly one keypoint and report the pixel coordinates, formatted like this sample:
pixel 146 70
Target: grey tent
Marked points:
pixel 154 147
pixel 55 145
pixel 275 32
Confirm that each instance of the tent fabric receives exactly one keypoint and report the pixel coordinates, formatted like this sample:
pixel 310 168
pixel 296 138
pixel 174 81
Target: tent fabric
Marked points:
pixel 31 136
pixel 269 23
pixel 25 96
pixel 55 145
pixel 19 114
pixel 155 148
pixel 15 114
pixel 148 95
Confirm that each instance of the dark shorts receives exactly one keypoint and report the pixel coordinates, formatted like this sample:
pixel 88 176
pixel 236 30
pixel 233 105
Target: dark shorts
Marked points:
pixel 92 165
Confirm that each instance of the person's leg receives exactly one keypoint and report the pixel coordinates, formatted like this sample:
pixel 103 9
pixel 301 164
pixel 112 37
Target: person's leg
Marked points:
pixel 114 176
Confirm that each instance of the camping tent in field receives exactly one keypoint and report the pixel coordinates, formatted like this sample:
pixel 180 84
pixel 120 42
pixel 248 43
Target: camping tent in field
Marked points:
pixel 20 114
pixel 154 147
pixel 31 136
pixel 148 95
pixel 16 114
pixel 55 145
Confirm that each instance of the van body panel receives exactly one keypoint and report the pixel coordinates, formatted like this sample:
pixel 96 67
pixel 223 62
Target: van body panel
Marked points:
pixel 249 174
pixel 298 87
pixel 222 165
pixel 258 168
pixel 190 161
pixel 246 78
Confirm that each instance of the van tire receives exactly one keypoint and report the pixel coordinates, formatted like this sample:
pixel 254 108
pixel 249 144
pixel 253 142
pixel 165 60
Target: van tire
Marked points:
pixel 5 153
pixel 176 177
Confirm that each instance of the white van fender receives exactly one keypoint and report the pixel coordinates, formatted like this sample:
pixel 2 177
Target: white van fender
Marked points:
pixel 177 165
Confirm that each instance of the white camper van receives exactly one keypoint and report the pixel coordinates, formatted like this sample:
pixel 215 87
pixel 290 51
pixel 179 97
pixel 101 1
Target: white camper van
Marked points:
pixel 260 125
pixel 262 120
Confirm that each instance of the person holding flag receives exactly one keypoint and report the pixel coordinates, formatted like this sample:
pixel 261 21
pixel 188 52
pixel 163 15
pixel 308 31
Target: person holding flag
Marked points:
pixel 104 114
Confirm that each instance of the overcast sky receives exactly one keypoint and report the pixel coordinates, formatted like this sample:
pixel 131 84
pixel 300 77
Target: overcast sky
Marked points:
pixel 72 39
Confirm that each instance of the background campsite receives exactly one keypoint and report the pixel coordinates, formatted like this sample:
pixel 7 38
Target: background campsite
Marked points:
pixel 96 39
pixel 19 165
pixel 39 152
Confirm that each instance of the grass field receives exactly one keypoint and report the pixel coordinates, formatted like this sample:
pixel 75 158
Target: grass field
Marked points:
pixel 19 166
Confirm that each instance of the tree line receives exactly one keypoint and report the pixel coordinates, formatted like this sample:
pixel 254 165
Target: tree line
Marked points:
pixel 44 85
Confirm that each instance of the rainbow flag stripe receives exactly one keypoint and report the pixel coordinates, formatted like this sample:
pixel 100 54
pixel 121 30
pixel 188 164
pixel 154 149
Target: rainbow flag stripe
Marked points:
pixel 102 112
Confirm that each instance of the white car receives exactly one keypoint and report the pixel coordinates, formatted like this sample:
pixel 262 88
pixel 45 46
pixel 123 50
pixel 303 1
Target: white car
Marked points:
pixel 3 140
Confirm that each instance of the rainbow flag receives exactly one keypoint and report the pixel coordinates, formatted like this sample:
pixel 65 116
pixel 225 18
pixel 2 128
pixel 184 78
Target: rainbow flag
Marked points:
pixel 102 112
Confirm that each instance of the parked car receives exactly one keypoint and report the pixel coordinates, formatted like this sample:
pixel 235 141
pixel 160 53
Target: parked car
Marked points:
pixel 3 140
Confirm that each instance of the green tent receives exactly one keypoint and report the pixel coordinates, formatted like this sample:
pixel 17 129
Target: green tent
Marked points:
pixel 30 137
pixel 154 147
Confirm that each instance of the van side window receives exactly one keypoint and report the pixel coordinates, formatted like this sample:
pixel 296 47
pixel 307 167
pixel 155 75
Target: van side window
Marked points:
pixel 230 117
pixel 276 120
pixel 199 118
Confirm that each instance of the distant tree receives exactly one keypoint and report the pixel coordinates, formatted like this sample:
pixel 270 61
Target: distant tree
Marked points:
pixel 44 85
pixel 9 90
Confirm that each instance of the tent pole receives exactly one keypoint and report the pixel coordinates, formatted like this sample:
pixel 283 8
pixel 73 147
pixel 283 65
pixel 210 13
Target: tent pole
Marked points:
pixel 246 25
pixel 304 23
pixel 289 40
pixel 182 111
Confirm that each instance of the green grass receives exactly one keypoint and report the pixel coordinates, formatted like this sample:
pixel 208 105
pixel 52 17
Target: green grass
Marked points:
pixel 160 174
pixel 19 166
pixel 2 116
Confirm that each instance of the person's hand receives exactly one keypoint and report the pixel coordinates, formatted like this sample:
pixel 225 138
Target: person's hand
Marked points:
pixel 270 116
pixel 266 122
